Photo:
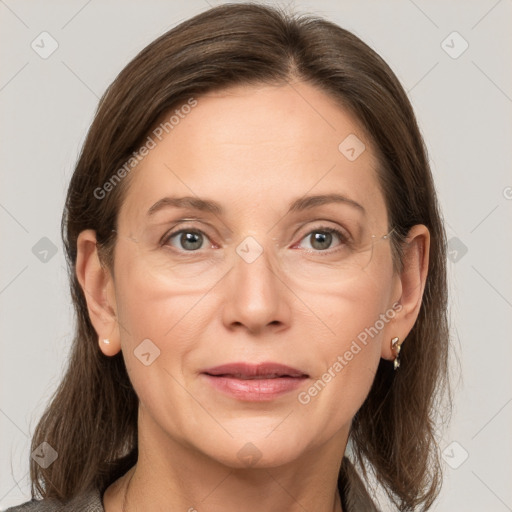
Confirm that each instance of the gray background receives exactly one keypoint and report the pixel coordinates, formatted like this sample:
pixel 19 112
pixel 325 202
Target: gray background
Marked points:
pixel 464 109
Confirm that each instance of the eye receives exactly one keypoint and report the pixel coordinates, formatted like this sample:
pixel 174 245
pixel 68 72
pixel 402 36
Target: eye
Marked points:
pixel 186 239
pixel 318 240
pixel 321 239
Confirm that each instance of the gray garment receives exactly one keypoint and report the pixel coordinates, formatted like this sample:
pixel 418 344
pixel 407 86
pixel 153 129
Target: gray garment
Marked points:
pixel 89 502
pixel 355 497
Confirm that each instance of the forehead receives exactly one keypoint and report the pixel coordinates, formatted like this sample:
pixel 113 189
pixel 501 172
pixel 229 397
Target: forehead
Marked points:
pixel 255 148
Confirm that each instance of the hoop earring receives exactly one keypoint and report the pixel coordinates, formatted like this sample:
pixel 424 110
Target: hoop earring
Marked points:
pixel 395 347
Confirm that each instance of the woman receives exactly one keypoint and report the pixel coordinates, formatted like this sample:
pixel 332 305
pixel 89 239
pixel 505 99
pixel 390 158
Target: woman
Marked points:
pixel 257 263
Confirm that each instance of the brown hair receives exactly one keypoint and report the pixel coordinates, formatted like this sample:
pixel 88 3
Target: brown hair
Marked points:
pixel 92 418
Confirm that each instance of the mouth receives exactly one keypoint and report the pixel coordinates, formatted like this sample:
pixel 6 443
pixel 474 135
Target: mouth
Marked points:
pixel 246 371
pixel 260 382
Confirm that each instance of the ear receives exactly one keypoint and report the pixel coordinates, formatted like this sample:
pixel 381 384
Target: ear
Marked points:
pixel 411 284
pixel 98 287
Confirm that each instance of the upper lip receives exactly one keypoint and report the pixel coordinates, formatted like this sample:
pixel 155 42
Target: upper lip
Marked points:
pixel 247 370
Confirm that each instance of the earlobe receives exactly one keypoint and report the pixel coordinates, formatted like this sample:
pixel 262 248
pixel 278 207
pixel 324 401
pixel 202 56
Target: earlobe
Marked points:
pixel 412 277
pixel 108 347
pixel 96 283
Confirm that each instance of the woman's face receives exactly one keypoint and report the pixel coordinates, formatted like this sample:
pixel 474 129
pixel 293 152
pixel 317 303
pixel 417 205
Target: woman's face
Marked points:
pixel 253 276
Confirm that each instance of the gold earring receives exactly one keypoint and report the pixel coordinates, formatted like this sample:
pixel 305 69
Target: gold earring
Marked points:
pixel 106 341
pixel 395 347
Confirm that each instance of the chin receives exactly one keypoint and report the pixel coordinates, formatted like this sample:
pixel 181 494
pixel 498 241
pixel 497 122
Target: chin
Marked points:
pixel 259 450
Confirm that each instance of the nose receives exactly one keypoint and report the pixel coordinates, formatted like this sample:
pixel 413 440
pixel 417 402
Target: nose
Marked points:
pixel 257 299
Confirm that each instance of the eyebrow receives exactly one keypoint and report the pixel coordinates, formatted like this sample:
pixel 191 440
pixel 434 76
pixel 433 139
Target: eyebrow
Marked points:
pixel 192 203
pixel 301 204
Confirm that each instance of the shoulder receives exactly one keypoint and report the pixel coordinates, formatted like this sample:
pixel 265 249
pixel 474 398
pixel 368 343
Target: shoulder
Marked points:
pixel 88 502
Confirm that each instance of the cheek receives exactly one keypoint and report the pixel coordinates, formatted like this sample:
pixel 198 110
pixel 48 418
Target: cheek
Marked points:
pixel 174 319
pixel 350 309
pixel 153 303
pixel 151 306
pixel 357 316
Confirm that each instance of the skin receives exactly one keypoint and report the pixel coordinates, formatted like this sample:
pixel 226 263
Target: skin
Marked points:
pixel 254 150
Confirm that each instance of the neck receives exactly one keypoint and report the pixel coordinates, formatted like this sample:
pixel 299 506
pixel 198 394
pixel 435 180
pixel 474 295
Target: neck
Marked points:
pixel 181 478
pixel 129 504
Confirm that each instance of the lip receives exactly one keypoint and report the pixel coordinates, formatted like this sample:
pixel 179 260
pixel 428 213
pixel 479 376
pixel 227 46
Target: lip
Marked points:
pixel 254 382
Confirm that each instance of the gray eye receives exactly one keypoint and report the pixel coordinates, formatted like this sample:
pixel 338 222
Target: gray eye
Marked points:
pixel 187 240
pixel 320 240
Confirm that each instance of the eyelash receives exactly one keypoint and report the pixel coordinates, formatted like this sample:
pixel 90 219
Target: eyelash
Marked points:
pixel 343 238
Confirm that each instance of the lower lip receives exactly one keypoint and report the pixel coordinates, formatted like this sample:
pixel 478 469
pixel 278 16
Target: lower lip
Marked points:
pixel 255 390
